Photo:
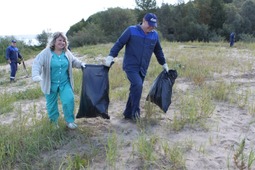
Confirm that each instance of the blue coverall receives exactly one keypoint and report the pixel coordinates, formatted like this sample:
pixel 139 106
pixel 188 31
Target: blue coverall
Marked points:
pixel 232 39
pixel 138 51
pixel 60 85
pixel 12 54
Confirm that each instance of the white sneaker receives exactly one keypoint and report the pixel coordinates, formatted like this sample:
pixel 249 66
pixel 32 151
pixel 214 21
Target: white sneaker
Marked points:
pixel 71 125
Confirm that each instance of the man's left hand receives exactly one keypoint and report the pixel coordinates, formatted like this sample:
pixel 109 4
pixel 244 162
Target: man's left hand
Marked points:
pixel 165 67
pixel 108 61
pixel 83 65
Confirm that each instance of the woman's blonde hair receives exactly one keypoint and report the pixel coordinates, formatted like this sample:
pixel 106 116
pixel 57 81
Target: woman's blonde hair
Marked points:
pixel 53 40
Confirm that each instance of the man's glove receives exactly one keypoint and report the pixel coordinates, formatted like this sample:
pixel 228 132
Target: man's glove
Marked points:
pixel 37 78
pixel 108 61
pixel 83 65
pixel 19 60
pixel 165 67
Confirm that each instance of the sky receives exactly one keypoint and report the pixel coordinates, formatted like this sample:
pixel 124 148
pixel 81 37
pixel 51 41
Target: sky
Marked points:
pixel 32 17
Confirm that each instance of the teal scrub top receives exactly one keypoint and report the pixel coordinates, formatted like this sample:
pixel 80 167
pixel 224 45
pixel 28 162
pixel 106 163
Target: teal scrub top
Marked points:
pixel 59 71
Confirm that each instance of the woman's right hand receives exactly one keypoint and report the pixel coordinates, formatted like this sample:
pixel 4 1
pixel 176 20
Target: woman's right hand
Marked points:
pixel 37 78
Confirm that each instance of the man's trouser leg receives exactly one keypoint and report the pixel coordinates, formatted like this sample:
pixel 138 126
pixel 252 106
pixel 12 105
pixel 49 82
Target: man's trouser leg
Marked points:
pixel 135 92
pixel 13 66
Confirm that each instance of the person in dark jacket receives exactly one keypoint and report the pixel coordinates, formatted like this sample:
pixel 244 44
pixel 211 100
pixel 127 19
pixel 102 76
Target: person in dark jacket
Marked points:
pixel 12 56
pixel 232 39
pixel 140 42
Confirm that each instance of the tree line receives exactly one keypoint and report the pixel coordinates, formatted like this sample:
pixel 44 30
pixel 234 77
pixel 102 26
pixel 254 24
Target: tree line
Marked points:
pixel 197 20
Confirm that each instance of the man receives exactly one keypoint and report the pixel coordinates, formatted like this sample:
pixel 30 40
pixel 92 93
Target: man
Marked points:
pixel 12 55
pixel 232 39
pixel 140 42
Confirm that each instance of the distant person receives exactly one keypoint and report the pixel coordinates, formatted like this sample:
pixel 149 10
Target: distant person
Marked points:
pixel 140 42
pixel 12 57
pixel 232 39
pixel 52 67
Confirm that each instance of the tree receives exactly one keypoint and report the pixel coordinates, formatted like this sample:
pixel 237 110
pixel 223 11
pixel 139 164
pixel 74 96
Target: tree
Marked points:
pixel 194 30
pixel 233 21
pixel 201 20
pixel 228 1
pixel 105 26
pixel 91 34
pixel 166 25
pixel 217 15
pixel 115 20
pixel 146 5
pixel 181 22
pixel 43 38
pixel 204 11
pixel 247 12
pixel 4 43
pixel 76 27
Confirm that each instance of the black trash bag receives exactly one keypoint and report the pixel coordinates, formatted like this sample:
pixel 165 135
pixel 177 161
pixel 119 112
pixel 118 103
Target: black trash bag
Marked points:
pixel 161 89
pixel 94 100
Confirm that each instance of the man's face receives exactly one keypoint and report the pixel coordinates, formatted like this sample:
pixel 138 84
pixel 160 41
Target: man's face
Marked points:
pixel 147 27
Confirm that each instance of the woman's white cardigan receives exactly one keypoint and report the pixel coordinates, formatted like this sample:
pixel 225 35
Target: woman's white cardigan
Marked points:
pixel 41 67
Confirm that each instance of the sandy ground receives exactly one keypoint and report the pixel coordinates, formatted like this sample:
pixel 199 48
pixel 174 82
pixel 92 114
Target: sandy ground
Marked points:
pixel 212 149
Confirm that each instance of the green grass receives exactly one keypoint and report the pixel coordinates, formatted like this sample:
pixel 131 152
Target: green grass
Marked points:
pixel 29 94
pixel 8 101
pixel 112 150
pixel 21 144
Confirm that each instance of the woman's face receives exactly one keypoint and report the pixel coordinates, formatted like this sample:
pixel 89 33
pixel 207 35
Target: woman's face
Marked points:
pixel 60 43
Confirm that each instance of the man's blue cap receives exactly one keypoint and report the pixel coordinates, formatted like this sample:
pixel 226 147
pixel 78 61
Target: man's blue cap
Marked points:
pixel 13 41
pixel 152 19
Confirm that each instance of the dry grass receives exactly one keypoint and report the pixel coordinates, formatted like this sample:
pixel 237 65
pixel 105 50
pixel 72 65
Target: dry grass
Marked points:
pixel 212 111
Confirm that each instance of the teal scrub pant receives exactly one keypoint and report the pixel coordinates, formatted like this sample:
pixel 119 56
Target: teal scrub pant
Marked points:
pixel 67 100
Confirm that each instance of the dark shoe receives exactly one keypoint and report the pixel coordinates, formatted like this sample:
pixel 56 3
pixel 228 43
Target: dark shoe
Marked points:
pixel 135 117
pixel 128 117
pixel 12 81
pixel 105 116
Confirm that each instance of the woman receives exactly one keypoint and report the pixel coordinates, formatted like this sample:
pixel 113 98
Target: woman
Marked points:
pixel 52 67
